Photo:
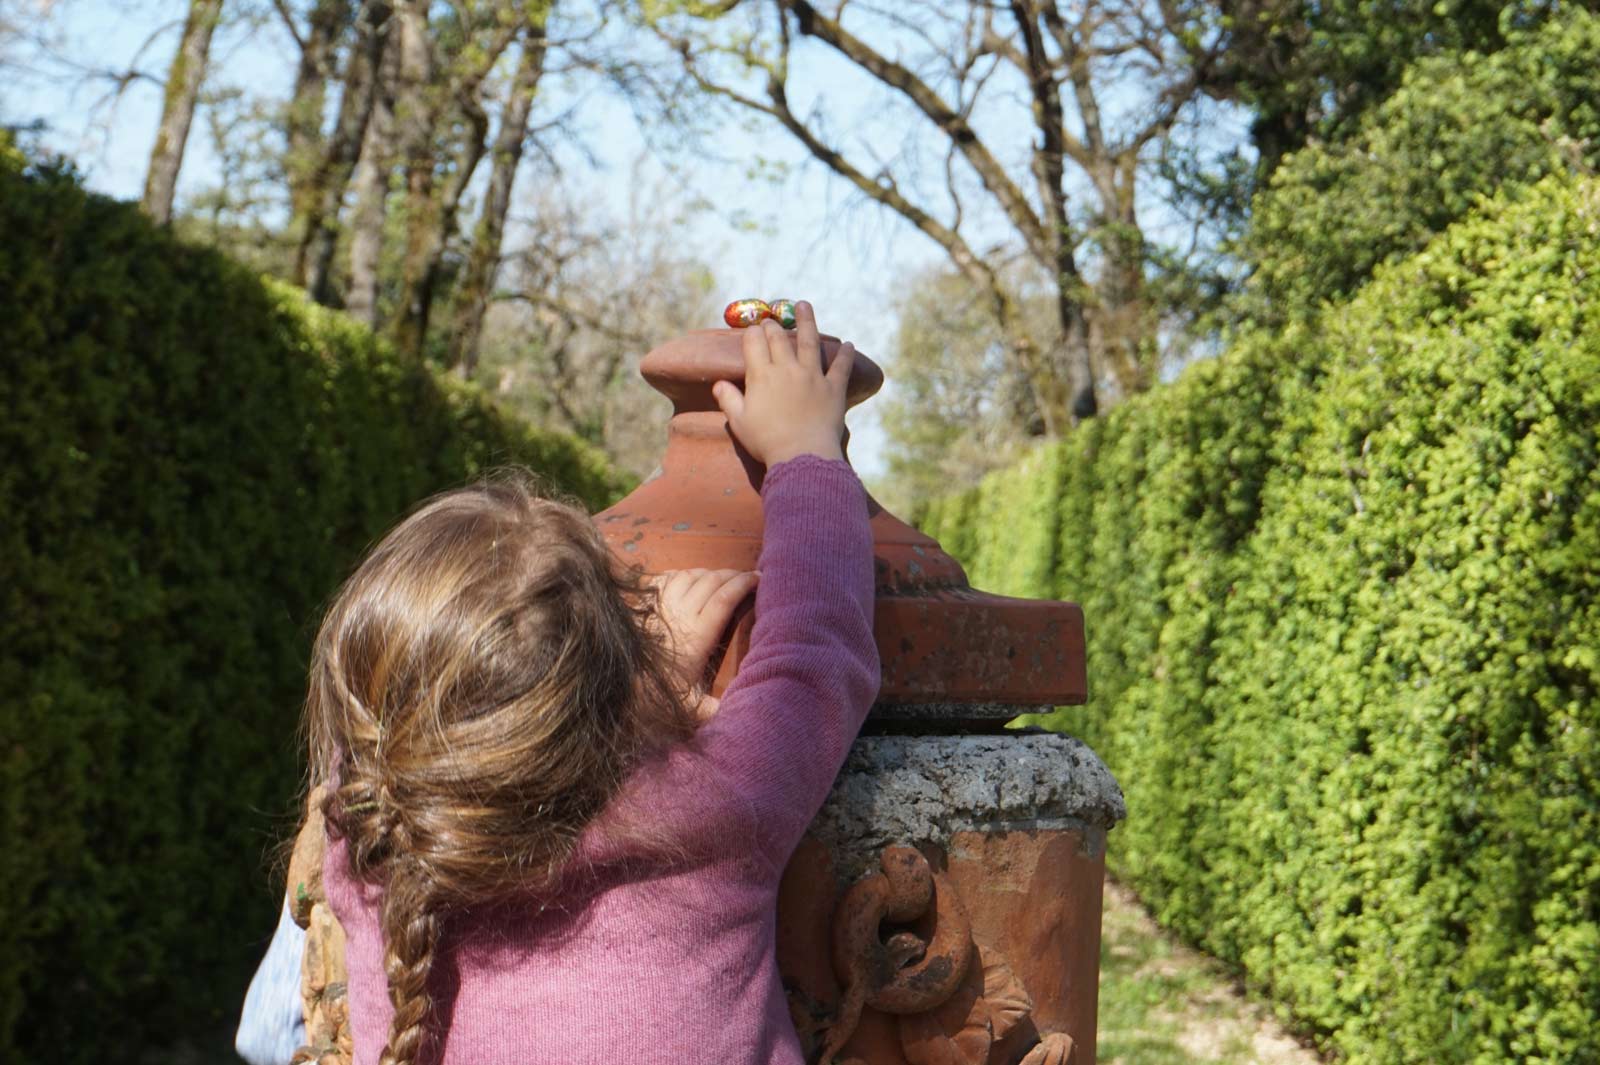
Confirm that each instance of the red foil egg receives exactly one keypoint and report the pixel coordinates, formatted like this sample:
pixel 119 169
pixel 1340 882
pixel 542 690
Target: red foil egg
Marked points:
pixel 783 313
pixel 742 313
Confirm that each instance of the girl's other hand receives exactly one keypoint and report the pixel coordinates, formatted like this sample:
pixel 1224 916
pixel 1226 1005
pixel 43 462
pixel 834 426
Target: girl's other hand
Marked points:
pixel 790 406
pixel 694 607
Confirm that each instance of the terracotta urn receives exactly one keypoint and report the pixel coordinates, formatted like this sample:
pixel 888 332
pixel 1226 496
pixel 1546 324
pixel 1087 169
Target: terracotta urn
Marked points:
pixel 944 908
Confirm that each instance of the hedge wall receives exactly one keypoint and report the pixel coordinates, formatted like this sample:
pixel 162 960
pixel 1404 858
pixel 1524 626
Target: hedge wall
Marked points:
pixel 1461 124
pixel 192 461
pixel 1344 613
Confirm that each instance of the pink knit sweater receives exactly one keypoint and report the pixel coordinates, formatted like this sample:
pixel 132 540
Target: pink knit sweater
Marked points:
pixel 646 960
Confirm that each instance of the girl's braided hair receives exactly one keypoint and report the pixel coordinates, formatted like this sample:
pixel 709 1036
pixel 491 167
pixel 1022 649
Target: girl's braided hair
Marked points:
pixel 479 690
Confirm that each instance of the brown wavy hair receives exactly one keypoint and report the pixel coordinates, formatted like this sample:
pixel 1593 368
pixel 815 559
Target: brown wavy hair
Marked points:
pixel 480 688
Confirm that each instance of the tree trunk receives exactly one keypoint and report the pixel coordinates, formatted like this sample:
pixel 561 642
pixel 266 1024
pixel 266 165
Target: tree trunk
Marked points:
pixel 414 120
pixel 303 120
pixel 319 235
pixel 426 244
pixel 472 297
pixel 177 108
pixel 1120 332
pixel 372 198
pixel 437 105
pixel 1074 393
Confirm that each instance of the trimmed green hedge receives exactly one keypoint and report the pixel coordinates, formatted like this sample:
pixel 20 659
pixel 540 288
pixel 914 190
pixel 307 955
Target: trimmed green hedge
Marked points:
pixel 1344 632
pixel 192 461
pixel 1462 124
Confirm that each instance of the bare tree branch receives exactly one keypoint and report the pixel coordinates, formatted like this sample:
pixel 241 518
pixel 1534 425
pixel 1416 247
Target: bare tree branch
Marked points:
pixel 953 124
pixel 1050 167
pixel 484 258
pixel 777 107
pixel 286 16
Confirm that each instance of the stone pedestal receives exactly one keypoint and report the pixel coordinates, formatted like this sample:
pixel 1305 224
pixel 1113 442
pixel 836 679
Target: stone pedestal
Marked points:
pixel 1000 959
pixel 945 907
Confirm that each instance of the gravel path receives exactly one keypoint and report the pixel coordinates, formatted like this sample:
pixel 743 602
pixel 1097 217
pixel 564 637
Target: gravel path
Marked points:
pixel 1164 1004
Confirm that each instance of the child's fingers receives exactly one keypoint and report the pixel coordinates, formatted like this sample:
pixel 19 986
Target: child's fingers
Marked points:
pixel 757 356
pixel 737 586
pixel 778 343
pixel 843 360
pixel 676 580
pixel 805 331
pixel 729 595
pixel 705 587
pixel 730 399
pixel 665 585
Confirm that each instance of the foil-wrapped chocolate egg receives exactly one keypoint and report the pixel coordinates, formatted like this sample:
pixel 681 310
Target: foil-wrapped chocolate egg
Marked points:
pixel 742 313
pixel 783 313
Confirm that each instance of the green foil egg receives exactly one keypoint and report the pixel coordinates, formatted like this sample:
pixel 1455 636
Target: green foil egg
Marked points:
pixel 783 312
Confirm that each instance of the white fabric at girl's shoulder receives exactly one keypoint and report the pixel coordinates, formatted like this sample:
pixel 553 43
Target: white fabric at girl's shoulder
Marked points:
pixel 273 1026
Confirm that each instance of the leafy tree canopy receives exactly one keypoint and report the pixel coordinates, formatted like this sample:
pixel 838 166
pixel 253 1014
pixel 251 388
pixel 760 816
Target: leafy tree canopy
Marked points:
pixel 1461 126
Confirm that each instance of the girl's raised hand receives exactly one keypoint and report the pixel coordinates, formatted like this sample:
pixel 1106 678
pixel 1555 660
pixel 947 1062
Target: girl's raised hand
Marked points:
pixel 790 406
pixel 694 606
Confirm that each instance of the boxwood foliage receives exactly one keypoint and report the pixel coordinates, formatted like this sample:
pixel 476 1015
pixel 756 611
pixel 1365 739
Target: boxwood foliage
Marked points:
pixel 1344 615
pixel 1461 124
pixel 193 459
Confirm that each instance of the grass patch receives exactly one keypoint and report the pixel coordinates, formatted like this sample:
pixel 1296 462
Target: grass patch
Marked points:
pixel 1164 1004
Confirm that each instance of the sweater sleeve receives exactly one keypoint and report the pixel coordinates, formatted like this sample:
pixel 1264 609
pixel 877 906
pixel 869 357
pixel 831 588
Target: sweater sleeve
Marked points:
pixel 788 718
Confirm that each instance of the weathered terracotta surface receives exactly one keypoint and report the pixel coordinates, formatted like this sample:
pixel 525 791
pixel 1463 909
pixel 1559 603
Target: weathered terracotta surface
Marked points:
pixel 940 640
pixel 1040 901
pixel 323 983
pixel 946 908
pixel 323 977
pixel 1016 914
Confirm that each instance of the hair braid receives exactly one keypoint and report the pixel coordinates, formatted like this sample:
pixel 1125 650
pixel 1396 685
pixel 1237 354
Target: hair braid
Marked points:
pixel 488 658
pixel 411 938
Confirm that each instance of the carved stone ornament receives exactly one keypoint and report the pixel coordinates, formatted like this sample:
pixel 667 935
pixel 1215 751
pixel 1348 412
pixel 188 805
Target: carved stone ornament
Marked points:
pixel 323 978
pixel 907 973
pixel 902 945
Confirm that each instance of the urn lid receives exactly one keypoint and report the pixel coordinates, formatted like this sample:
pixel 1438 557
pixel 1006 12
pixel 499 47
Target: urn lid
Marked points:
pixel 943 644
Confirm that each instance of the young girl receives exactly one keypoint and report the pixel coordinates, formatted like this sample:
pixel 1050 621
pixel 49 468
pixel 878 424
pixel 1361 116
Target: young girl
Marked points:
pixel 539 852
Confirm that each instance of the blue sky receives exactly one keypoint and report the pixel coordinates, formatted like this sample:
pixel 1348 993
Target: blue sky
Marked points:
pixel 848 263
pixel 819 240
